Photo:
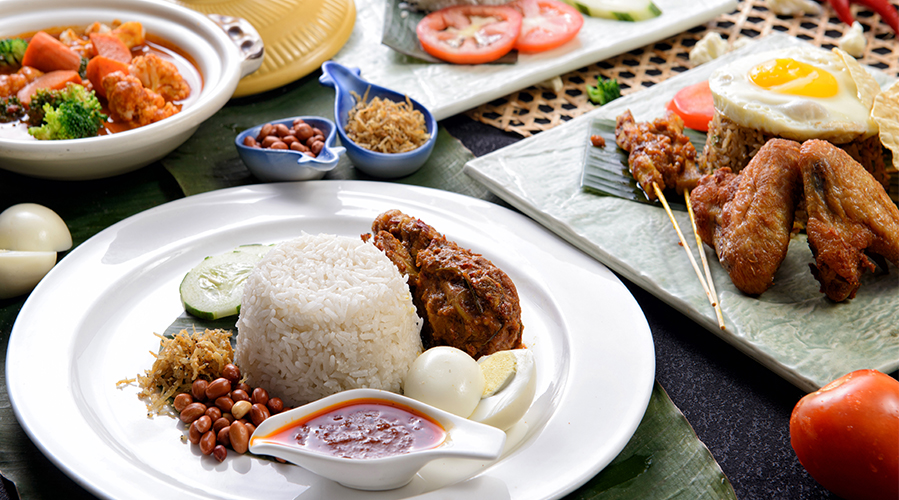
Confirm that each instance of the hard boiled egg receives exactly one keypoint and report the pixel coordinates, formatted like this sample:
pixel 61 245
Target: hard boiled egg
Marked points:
pixel 32 227
pixel 798 93
pixel 510 385
pixel 447 378
pixel 21 271
pixel 30 236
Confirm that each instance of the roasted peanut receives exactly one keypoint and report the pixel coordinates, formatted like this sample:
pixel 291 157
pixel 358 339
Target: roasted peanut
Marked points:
pixel 279 145
pixel 182 400
pixel 231 372
pixel 239 395
pixel 240 438
pixel 193 433
pixel 240 409
pixel 198 389
pixel 303 132
pixel 245 387
pixel 192 412
pixel 316 147
pixel 218 388
pixel 220 453
pixel 266 130
pixel 214 413
pixel 250 428
pixel 207 443
pixel 299 146
pixel 203 424
pixel 275 405
pixel 260 396
pixel 223 437
pixel 220 424
pixel 281 130
pixel 249 141
pixel 224 403
pixel 258 413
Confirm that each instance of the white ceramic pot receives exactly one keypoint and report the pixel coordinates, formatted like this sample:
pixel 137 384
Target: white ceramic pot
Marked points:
pixel 224 49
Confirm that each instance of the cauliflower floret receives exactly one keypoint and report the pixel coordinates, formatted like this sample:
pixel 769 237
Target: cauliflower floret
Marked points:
pixel 130 101
pixel 709 47
pixel 793 7
pixel 14 82
pixel 160 76
pixel 854 41
pixel 131 33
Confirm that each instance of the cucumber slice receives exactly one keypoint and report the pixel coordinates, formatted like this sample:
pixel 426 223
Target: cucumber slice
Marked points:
pixel 621 10
pixel 213 289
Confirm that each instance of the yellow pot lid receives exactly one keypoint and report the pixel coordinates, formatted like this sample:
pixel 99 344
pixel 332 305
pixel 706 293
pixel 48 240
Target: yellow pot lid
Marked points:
pixel 299 35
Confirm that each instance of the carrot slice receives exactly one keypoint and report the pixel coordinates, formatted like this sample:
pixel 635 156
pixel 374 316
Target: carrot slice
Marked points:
pixel 107 45
pixel 49 54
pixel 54 80
pixel 100 66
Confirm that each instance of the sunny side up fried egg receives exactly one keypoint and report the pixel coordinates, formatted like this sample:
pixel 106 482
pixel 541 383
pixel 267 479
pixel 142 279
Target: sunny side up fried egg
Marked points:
pixel 798 93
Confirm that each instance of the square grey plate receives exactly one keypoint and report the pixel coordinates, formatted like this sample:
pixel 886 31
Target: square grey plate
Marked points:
pixel 792 328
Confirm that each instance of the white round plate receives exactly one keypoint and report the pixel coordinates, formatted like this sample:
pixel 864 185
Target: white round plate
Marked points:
pixel 90 323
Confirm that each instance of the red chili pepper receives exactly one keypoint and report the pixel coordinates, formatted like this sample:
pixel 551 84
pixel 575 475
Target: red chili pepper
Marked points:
pixel 887 12
pixel 842 9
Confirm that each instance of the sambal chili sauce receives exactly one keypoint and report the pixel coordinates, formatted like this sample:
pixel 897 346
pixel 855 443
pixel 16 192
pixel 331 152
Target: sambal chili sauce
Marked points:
pixel 362 429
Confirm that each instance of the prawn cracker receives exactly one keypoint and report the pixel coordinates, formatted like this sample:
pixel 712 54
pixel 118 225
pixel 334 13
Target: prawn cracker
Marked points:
pixel 886 113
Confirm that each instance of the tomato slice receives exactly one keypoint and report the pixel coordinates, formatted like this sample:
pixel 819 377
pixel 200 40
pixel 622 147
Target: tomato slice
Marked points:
pixel 546 24
pixel 469 34
pixel 694 105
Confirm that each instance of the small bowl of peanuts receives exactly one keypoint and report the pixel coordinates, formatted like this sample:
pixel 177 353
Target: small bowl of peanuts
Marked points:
pixel 301 148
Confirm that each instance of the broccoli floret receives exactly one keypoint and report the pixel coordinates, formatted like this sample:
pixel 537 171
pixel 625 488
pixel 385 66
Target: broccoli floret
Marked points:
pixel 11 109
pixel 604 92
pixel 12 50
pixel 36 109
pixel 72 113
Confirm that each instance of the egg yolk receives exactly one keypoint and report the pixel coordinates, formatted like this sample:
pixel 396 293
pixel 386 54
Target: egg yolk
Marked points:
pixel 789 76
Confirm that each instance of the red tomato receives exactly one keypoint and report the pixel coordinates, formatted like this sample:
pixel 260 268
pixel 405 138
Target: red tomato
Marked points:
pixel 469 34
pixel 546 24
pixel 846 435
pixel 694 105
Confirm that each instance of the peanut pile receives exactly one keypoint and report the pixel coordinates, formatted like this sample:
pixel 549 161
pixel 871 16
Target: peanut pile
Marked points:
pixel 224 413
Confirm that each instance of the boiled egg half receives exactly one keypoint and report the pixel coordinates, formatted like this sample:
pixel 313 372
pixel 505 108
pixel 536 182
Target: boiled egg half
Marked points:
pixel 511 383
pixel 798 93
pixel 30 236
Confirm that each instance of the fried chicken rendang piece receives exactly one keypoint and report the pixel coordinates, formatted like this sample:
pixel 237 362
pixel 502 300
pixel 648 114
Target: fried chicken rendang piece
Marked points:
pixel 748 217
pixel 466 301
pixel 849 213
pixel 658 152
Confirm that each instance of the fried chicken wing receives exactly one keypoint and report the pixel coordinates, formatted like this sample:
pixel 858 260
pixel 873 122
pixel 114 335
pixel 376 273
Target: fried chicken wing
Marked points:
pixel 160 76
pixel 658 152
pixel 130 101
pixel 849 213
pixel 748 217
pixel 465 300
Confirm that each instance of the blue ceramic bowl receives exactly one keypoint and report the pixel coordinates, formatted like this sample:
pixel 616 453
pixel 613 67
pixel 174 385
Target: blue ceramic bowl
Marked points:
pixel 383 165
pixel 276 165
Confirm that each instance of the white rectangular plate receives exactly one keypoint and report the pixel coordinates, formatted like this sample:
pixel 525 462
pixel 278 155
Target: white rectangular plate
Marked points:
pixel 448 89
pixel 792 328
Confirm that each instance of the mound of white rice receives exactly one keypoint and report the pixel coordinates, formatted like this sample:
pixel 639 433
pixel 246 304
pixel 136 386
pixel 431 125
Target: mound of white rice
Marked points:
pixel 322 314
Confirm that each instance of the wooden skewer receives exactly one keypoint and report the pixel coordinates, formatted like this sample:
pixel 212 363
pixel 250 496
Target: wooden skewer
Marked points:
pixel 683 242
pixel 705 263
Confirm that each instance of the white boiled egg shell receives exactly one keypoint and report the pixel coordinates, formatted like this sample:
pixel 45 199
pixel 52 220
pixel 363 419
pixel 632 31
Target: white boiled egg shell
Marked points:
pixel 34 228
pixel 21 271
pixel 511 383
pixel 447 378
pixel 798 93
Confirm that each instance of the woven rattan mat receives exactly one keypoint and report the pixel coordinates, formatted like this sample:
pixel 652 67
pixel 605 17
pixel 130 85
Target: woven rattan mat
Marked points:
pixel 534 109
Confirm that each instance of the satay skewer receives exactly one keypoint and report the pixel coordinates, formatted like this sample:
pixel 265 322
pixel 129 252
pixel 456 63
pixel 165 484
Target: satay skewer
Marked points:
pixel 683 242
pixel 705 263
